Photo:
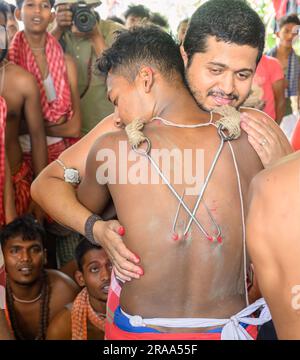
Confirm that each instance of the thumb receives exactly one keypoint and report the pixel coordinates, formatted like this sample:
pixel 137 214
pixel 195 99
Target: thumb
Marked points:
pixel 117 227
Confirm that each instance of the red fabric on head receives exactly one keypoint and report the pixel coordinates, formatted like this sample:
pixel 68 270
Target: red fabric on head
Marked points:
pixel 20 53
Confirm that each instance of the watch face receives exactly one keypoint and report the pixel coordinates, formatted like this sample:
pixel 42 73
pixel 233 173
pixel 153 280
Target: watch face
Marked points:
pixel 72 176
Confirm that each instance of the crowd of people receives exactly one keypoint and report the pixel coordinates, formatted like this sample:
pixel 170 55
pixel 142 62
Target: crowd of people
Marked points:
pixel 147 190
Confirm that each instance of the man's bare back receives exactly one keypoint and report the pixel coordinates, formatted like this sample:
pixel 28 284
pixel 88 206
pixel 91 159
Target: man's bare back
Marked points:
pixel 183 278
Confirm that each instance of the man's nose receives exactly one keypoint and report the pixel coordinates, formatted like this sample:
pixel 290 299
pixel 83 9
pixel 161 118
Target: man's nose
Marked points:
pixel 227 83
pixel 25 256
pixel 105 273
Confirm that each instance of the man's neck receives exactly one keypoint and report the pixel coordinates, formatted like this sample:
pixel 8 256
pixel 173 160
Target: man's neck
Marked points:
pixel 26 292
pixel 179 106
pixel 36 41
pixel 283 50
pixel 98 305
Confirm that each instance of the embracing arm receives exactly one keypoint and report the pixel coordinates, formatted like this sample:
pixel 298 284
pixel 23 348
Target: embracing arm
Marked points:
pixel 60 202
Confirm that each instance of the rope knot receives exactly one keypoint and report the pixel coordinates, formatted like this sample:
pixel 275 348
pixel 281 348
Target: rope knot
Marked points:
pixel 230 120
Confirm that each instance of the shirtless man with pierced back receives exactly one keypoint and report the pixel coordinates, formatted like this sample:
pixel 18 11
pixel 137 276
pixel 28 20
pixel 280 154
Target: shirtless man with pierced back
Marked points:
pixel 201 275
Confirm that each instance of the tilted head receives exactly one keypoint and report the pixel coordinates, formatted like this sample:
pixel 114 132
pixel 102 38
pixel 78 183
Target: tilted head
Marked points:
pixel 222 47
pixel 136 15
pixel 94 269
pixel 288 30
pixel 22 243
pixel 138 60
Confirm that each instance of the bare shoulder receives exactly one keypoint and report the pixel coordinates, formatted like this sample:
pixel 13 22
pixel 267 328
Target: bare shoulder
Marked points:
pixel 110 140
pixel 76 155
pixel 20 76
pixel 258 114
pixel 60 327
pixel 281 176
pixel 62 283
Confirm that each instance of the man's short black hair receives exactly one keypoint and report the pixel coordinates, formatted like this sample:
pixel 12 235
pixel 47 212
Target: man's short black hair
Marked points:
pixel 230 21
pixel 25 226
pixel 288 19
pixel 4 9
pixel 19 3
pixel 81 249
pixel 138 11
pixel 157 19
pixel 146 45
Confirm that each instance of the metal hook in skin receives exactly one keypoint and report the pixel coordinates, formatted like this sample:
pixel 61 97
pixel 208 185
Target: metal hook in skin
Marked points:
pixel 136 148
pixel 175 235
pixel 224 137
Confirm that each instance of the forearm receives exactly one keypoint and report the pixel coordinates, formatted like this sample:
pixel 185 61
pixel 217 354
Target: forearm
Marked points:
pixel 39 154
pixel 280 109
pixel 9 196
pixel 60 202
pixel 57 32
pixel 66 129
pixel 99 44
pixel 5 333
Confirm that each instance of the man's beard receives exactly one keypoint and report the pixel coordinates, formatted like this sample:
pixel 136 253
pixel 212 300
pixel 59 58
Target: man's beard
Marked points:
pixel 197 96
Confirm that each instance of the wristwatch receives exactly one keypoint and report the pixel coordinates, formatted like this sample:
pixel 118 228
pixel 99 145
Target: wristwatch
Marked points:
pixel 88 228
pixel 70 175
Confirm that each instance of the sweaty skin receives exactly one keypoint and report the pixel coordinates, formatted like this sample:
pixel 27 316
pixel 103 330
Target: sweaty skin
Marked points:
pixel 273 234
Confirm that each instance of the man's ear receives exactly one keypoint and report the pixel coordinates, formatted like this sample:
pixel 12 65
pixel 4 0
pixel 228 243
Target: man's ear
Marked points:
pixel 146 75
pixel 78 275
pixel 18 14
pixel 184 55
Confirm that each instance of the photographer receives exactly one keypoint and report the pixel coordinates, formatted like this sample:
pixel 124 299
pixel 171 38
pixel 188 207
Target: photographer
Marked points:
pixel 84 36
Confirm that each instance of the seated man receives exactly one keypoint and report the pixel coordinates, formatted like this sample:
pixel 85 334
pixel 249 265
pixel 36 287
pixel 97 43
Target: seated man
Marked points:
pixel 192 232
pixel 273 235
pixel 33 295
pixel 84 319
